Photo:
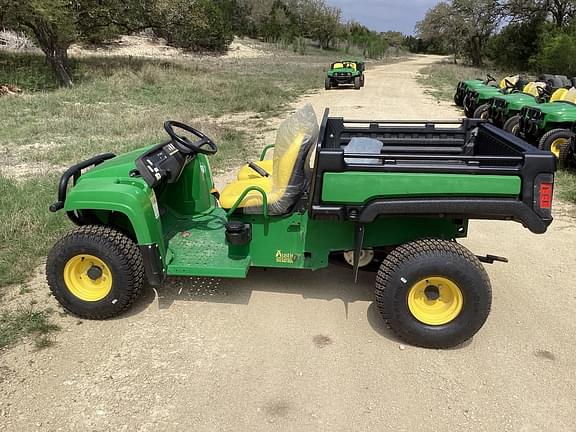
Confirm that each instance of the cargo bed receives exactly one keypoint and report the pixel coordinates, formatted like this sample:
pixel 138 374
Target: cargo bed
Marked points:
pixel 468 170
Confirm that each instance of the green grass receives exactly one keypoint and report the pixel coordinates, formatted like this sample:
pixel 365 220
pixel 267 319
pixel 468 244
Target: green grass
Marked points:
pixel 441 79
pixel 27 228
pixel 566 183
pixel 23 322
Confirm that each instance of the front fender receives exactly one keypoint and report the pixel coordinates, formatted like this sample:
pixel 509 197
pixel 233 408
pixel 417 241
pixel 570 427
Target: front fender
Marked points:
pixel 131 198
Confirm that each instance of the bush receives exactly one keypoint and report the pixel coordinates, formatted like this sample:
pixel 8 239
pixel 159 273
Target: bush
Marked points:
pixel 514 46
pixel 557 54
pixel 202 25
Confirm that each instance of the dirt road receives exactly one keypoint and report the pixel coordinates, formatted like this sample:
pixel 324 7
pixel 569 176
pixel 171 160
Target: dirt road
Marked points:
pixel 302 351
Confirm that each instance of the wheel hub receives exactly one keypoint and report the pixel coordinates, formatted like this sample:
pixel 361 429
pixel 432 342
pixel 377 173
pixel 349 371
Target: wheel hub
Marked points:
pixel 435 300
pixel 94 273
pixel 88 278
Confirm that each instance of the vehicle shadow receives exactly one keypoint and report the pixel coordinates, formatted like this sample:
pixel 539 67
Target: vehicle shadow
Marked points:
pixel 333 283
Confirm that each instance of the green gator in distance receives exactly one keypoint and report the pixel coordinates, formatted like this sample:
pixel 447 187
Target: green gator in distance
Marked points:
pixel 346 72
pixel 369 200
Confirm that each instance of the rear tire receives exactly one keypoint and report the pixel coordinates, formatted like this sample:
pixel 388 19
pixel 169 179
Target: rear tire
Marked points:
pixel 119 272
pixel 455 314
pixel 566 158
pixel 357 83
pixel 482 112
pixel 328 84
pixel 554 141
pixel 512 125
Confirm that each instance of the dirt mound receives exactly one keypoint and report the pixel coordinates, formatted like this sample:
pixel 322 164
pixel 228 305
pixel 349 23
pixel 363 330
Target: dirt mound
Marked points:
pixel 142 46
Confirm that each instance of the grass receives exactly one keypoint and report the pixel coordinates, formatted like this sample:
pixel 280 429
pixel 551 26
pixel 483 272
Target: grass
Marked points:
pixel 566 182
pixel 441 78
pixel 26 322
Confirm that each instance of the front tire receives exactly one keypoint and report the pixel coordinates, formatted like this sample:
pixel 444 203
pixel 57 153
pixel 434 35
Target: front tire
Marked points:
pixel 433 293
pixel 328 84
pixel 482 112
pixel 357 83
pixel 555 140
pixel 512 125
pixel 95 272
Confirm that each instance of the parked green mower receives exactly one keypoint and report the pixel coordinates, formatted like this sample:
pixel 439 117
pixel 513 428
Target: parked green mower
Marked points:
pixel 548 125
pixel 476 101
pixel 395 194
pixel 503 111
pixel 346 72
pixel 464 86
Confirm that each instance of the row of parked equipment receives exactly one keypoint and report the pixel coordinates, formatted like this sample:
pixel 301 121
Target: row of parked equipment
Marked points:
pixel 541 111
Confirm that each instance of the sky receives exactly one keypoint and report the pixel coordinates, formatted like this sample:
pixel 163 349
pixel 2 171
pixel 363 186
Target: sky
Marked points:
pixel 384 15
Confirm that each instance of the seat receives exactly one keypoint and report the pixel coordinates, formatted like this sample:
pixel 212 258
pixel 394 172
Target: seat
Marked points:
pixel 288 179
pixel 570 96
pixel 558 95
pixel 247 173
pixel 532 88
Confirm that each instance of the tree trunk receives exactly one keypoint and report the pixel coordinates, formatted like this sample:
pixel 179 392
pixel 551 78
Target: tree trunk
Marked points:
pixel 58 60
pixel 55 50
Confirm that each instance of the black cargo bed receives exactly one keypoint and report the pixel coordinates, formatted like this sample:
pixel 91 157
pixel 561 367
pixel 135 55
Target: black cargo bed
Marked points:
pixel 471 146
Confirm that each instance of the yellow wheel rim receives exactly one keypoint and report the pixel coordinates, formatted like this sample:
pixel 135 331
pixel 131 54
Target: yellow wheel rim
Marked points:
pixel 557 145
pixel 88 278
pixel 435 301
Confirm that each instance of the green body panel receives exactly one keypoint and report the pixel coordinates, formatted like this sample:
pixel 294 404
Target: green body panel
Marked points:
pixel 130 197
pixel 557 114
pixel 515 102
pixel 359 187
pixel 487 93
pixel 352 72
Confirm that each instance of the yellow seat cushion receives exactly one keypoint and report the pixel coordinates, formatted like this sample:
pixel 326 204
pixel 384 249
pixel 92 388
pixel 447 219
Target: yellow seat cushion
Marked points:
pixel 233 190
pixel 275 186
pixel 247 173
pixel 558 95
pixel 570 95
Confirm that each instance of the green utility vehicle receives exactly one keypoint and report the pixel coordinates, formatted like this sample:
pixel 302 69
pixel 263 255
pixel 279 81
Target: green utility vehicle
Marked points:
pixel 464 86
pixel 504 110
pixel 346 72
pixel 396 193
pixel 548 125
pixel 476 100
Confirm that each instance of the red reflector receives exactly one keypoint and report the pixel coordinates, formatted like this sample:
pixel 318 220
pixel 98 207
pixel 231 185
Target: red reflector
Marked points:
pixel 546 191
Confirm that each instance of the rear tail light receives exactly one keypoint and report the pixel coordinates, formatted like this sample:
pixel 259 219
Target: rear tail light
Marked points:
pixel 546 193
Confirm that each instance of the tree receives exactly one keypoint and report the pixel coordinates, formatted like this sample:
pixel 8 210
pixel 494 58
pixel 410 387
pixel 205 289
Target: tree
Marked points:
pixel 464 26
pixel 560 12
pixel 440 27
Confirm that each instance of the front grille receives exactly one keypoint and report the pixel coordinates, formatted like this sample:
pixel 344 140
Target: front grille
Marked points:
pixel 498 108
pixel 343 74
pixel 530 121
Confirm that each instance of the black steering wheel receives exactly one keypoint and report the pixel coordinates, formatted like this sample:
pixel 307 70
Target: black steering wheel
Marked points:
pixel 187 146
pixel 490 78
pixel 543 91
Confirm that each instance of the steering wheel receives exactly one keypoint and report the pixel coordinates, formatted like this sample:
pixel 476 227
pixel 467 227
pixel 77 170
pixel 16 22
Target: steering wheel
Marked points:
pixel 490 78
pixel 184 144
pixel 543 91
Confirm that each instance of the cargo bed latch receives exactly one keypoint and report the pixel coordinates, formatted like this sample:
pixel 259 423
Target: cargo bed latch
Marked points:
pixel 490 259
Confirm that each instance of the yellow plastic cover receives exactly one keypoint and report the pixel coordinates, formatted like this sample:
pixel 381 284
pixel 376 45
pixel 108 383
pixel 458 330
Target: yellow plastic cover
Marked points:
pixel 532 88
pixel 570 95
pixel 558 95
pixel 512 78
